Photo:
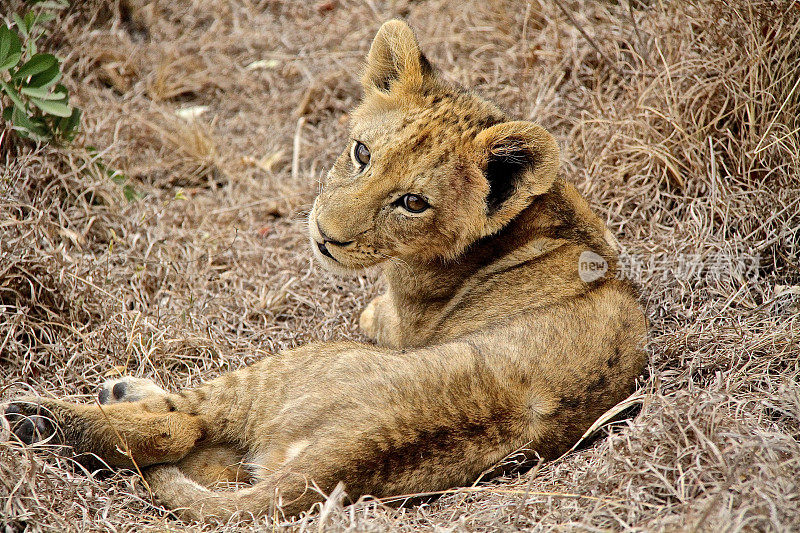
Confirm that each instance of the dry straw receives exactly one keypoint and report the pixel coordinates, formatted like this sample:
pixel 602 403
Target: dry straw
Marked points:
pixel 678 120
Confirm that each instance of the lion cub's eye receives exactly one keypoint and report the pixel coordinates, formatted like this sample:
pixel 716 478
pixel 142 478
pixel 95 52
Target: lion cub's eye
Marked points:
pixel 360 154
pixel 414 203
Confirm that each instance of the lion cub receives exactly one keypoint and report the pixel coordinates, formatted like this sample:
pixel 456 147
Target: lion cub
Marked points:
pixel 488 339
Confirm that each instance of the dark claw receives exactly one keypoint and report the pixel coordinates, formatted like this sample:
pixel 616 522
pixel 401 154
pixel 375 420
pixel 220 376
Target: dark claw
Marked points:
pixel 119 390
pixel 28 428
pixel 103 396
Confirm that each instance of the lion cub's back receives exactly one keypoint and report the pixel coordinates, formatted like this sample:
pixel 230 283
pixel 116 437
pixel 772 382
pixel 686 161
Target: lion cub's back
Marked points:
pixel 576 360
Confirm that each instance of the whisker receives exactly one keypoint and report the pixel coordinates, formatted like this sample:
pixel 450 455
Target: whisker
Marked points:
pixel 398 261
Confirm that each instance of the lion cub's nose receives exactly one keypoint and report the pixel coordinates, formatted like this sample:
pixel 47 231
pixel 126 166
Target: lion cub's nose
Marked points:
pixel 328 240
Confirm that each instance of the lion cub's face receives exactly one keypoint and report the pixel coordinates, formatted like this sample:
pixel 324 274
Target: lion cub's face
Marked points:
pixel 429 168
pixel 403 188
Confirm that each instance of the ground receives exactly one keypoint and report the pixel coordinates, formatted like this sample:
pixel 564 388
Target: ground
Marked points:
pixel 168 240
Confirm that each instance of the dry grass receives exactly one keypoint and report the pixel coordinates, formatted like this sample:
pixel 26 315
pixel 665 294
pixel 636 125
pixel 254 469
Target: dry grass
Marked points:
pixel 681 128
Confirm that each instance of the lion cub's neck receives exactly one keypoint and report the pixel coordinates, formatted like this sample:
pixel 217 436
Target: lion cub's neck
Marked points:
pixel 536 255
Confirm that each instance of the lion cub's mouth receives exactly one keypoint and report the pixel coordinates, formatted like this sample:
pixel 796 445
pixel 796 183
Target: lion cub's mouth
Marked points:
pixel 340 257
pixel 325 258
pixel 323 249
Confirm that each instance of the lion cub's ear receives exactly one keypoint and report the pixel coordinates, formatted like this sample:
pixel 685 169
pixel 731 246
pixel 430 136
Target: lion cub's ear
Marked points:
pixel 395 59
pixel 520 160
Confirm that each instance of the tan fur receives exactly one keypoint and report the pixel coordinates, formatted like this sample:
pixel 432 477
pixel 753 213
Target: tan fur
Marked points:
pixel 487 340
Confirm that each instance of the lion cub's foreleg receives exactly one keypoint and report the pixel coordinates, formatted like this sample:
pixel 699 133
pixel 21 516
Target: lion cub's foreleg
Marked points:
pixel 379 321
pixel 122 434
pixel 208 464
pixel 135 424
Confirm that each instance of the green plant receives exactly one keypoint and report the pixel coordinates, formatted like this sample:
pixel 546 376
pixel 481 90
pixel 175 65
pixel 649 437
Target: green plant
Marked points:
pixel 32 101
pixel 118 177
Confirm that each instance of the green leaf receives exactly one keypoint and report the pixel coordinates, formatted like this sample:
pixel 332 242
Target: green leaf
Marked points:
pixel 34 128
pixel 10 61
pixel 5 41
pixel 67 126
pixel 44 93
pixel 35 65
pixel 44 17
pixel 48 78
pixel 10 48
pixel 9 42
pixel 20 118
pixel 21 26
pixel 7 113
pixel 61 89
pixel 32 134
pixel 50 4
pixel 13 94
pixel 59 109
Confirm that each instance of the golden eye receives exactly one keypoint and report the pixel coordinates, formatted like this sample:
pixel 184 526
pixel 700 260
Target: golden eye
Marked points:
pixel 413 203
pixel 361 154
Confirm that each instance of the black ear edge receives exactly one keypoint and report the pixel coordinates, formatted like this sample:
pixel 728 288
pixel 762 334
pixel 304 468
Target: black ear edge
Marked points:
pixel 425 65
pixel 504 171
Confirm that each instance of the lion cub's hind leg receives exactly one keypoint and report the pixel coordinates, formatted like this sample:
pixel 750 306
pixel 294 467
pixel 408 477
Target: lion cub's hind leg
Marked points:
pixel 213 465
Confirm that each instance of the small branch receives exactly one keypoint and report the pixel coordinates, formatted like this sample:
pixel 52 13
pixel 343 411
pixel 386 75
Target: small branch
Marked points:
pixel 645 54
pixel 298 138
pixel 586 35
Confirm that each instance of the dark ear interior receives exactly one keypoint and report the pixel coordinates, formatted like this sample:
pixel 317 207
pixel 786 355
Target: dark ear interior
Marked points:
pixel 521 161
pixel 504 172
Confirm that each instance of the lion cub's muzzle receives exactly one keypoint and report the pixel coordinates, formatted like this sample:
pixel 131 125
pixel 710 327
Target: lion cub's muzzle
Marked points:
pixel 324 243
pixel 331 253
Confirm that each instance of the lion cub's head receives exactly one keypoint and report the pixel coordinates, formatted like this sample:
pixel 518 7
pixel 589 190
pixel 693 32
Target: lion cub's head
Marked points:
pixel 429 168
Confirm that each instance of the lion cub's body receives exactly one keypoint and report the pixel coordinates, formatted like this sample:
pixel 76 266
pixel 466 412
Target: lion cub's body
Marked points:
pixel 488 340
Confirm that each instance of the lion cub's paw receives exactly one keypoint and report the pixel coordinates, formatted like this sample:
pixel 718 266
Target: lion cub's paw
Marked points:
pixel 368 319
pixel 128 389
pixel 28 420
